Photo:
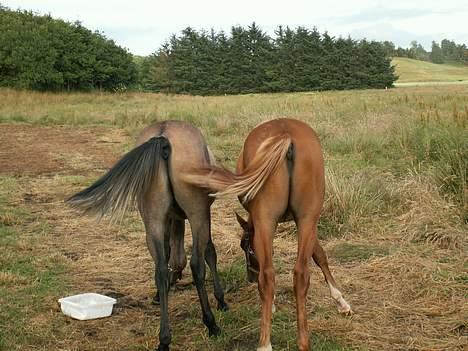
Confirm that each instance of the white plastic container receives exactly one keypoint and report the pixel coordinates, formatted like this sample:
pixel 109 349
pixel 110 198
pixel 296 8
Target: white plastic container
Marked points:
pixel 87 306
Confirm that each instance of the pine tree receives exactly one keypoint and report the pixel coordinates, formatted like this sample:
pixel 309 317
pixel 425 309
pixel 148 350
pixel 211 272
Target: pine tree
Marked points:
pixel 281 70
pixel 249 61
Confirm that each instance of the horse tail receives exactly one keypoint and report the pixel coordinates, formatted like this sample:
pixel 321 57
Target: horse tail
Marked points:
pixel 125 183
pixel 248 183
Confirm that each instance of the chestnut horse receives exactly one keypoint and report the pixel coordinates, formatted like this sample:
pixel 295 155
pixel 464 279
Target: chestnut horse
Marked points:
pixel 279 177
pixel 150 175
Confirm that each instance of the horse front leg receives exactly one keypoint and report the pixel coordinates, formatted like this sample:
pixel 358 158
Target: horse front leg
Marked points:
pixel 177 258
pixel 263 247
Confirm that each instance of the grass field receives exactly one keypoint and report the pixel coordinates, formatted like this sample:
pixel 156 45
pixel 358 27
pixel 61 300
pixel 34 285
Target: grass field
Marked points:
pixel 394 223
pixel 416 71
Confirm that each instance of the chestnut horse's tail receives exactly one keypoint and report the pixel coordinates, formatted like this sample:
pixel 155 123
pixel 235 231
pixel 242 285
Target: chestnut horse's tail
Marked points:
pixel 125 183
pixel 248 183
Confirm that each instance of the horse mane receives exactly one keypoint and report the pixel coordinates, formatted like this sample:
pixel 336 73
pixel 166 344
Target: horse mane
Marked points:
pixel 221 181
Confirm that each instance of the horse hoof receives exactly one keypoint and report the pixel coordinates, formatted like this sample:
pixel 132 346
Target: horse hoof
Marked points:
pixel 214 331
pixel 223 306
pixel 346 312
pixel 265 348
pixel 162 347
pixel 344 308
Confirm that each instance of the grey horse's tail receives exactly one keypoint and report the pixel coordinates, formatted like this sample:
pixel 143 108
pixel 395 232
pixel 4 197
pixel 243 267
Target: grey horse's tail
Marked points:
pixel 125 183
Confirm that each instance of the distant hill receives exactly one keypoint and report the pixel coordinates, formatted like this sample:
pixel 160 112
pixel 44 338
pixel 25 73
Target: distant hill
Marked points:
pixel 410 70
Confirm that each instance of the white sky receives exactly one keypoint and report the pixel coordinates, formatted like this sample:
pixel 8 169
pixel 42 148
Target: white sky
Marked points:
pixel 143 25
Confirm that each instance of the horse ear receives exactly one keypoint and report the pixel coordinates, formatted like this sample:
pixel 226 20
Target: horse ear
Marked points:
pixel 243 223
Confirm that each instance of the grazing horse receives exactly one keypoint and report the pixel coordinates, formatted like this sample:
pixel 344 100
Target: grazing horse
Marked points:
pixel 150 176
pixel 279 177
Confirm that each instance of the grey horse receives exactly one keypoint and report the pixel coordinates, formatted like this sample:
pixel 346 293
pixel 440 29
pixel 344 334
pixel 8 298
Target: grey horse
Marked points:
pixel 151 176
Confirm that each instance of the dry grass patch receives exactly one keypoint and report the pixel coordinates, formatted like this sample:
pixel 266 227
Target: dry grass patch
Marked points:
pixel 11 278
pixel 430 217
pixel 406 284
pixel 409 305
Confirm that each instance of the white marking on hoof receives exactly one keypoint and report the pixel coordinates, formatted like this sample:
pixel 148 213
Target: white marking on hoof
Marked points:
pixel 273 308
pixel 343 306
pixel 265 348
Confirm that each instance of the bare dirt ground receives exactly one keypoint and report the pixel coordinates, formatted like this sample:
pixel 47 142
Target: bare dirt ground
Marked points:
pixel 29 150
pixel 398 301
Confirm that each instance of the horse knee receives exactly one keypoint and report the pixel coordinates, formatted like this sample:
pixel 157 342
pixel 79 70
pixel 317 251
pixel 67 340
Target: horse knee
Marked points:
pixel 178 263
pixel 267 276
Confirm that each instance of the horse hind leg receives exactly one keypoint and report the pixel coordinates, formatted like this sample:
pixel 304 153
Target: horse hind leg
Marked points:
pixel 156 239
pixel 152 249
pixel 200 224
pixel 263 247
pixel 307 238
pixel 211 259
pixel 320 258
pixel 154 210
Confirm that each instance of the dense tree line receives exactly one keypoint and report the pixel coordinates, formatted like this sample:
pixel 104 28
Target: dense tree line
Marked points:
pixel 446 52
pixel 249 61
pixel 39 52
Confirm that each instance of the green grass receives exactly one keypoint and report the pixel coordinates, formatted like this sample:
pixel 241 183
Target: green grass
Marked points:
pixel 410 70
pixel 240 328
pixel 27 282
pixel 234 277
pixel 444 149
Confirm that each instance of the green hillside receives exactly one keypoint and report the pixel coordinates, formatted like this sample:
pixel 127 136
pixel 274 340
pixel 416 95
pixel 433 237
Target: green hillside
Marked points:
pixel 410 70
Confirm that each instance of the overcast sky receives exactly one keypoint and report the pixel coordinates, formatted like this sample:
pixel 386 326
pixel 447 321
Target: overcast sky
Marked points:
pixel 143 25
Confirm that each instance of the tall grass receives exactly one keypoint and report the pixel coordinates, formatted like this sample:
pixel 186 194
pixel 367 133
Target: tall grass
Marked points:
pixel 439 149
pixel 426 214
pixel 371 139
pixel 352 199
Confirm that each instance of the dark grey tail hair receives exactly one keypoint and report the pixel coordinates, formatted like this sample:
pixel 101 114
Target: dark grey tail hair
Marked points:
pixel 125 183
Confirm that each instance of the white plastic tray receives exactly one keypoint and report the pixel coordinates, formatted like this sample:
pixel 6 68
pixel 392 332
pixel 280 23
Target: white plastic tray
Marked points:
pixel 87 306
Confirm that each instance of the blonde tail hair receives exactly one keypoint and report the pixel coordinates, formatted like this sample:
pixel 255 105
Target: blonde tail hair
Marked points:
pixel 248 183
